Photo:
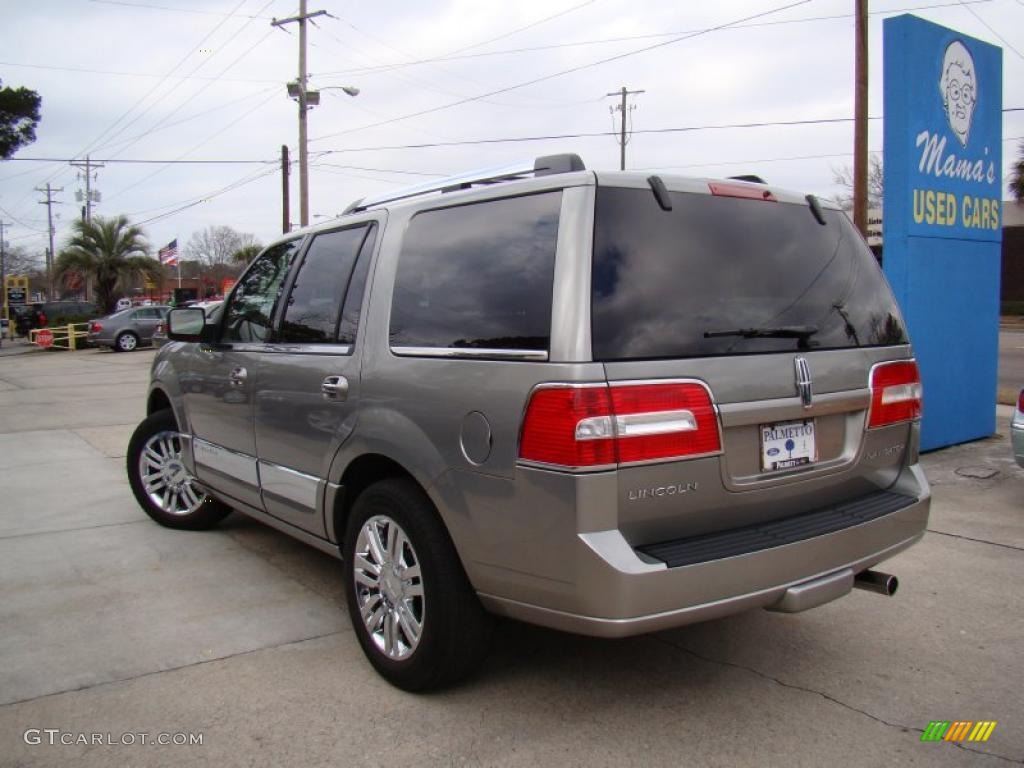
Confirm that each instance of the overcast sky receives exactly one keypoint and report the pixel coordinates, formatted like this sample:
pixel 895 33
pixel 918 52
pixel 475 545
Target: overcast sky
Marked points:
pixel 205 80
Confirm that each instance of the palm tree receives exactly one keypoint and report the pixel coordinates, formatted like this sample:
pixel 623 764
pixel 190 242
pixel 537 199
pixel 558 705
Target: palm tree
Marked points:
pixel 1016 184
pixel 110 252
pixel 246 253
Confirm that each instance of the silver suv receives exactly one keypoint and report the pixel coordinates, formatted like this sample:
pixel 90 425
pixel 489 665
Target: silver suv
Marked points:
pixel 603 402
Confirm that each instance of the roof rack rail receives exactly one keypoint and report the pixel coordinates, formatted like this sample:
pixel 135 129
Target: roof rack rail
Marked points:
pixel 541 166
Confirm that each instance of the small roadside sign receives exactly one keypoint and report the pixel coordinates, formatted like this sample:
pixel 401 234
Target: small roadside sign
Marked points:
pixel 44 337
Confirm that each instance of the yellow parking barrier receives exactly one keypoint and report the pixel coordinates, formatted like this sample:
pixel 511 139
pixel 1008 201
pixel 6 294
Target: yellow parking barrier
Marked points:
pixel 59 337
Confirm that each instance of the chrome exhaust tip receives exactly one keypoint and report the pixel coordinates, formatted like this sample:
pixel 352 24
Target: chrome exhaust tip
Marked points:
pixel 876 581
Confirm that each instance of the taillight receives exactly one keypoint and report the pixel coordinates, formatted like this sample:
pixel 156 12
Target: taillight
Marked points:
pixel 1020 401
pixel 159 327
pixel 95 328
pixel 895 393
pixel 598 425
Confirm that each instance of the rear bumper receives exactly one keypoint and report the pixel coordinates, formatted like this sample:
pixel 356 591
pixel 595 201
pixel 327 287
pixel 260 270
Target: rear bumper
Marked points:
pixel 1017 436
pixel 620 592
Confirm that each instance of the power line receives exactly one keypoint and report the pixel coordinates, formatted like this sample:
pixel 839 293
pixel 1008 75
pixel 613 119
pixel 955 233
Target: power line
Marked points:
pixel 531 25
pixel 86 70
pixel 95 142
pixel 988 26
pixel 163 126
pixel 196 94
pixel 248 179
pixel 597 134
pixel 570 70
pixel 139 161
pixel 630 38
pixel 149 6
pixel 207 140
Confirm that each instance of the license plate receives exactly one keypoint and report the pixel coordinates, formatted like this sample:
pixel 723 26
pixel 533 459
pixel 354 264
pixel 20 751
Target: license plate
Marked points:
pixel 787 444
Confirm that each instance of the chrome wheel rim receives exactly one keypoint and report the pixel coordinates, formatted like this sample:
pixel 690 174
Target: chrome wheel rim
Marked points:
pixel 389 587
pixel 127 342
pixel 168 484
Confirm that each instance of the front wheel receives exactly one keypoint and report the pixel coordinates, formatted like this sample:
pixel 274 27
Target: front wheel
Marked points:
pixel 413 610
pixel 162 485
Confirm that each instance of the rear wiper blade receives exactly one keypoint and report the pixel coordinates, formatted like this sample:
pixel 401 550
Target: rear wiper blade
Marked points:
pixel 801 332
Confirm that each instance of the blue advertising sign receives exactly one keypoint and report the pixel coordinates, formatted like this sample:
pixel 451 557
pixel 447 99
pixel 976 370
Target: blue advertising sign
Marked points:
pixel 942 216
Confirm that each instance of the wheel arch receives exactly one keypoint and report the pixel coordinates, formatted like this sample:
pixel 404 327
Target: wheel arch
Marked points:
pixel 360 474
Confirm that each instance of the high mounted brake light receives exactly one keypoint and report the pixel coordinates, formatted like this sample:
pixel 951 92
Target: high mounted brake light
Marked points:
pixel 895 393
pixel 745 191
pixel 596 425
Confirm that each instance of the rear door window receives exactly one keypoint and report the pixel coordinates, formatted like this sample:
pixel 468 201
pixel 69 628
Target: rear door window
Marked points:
pixel 313 311
pixel 477 276
pixel 725 276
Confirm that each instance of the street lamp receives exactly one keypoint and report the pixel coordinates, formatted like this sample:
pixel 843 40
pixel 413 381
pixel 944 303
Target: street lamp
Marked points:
pixel 297 90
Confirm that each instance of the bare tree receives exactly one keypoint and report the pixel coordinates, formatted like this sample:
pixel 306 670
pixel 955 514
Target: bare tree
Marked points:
pixel 212 251
pixel 843 177
pixel 215 246
pixel 19 262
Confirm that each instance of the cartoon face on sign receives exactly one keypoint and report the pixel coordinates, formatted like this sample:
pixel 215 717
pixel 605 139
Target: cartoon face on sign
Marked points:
pixel 959 87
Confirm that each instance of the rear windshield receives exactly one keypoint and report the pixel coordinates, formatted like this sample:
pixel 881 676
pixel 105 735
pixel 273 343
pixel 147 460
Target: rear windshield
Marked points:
pixel 727 276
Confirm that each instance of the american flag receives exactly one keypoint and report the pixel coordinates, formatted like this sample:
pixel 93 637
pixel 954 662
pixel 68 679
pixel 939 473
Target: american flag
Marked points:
pixel 169 253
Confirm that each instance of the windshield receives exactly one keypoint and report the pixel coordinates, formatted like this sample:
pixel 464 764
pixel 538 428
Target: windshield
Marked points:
pixel 723 276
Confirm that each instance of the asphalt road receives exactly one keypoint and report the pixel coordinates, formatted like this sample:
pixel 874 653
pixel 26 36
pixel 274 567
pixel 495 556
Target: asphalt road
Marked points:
pixel 111 625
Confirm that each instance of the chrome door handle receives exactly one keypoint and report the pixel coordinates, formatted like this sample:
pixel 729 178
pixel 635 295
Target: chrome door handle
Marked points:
pixel 335 388
pixel 237 377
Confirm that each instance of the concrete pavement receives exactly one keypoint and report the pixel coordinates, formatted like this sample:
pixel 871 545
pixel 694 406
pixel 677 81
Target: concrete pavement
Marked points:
pixel 112 625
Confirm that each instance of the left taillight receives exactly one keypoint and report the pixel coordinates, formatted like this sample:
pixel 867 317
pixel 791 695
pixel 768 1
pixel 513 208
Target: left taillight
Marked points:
pixel 895 393
pixel 95 328
pixel 588 426
pixel 161 328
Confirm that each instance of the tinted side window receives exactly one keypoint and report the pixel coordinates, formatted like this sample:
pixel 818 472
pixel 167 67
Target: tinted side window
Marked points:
pixel 356 289
pixel 312 313
pixel 478 276
pixel 249 313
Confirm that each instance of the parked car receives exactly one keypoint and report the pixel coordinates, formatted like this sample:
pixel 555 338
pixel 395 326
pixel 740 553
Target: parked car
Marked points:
pixel 125 330
pixel 1017 430
pixel 160 334
pixel 605 402
pixel 123 303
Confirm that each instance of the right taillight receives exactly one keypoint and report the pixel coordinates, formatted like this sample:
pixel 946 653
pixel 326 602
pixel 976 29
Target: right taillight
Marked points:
pixel 596 425
pixel 895 393
pixel 1020 401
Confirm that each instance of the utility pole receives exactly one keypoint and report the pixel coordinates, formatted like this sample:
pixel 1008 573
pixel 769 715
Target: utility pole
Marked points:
pixel 860 120
pixel 90 195
pixel 622 109
pixel 301 93
pixel 286 224
pixel 48 202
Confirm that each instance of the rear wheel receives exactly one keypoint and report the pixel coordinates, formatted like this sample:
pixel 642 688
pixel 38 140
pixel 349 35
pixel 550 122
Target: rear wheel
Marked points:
pixel 414 612
pixel 162 485
pixel 126 342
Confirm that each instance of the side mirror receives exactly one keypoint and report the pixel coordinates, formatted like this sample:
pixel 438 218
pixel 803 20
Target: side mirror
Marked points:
pixel 189 325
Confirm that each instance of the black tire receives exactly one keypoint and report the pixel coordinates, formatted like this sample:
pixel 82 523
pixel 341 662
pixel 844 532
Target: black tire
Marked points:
pixel 159 432
pixel 126 342
pixel 455 628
